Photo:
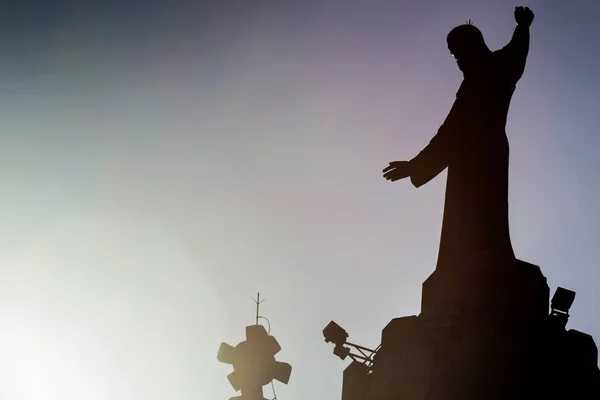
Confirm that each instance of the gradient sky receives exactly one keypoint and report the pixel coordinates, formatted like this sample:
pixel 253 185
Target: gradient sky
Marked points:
pixel 161 162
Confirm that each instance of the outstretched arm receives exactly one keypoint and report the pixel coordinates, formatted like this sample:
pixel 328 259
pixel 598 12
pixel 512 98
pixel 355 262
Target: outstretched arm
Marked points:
pixel 435 157
pixel 515 53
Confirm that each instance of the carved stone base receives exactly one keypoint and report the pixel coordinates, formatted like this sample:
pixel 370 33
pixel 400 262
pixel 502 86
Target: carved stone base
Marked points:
pixel 483 333
pixel 512 291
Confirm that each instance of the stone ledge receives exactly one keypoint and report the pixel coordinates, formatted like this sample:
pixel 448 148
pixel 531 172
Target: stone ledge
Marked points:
pixel 517 289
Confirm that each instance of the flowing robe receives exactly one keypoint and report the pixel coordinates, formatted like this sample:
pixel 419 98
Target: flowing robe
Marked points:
pixel 473 145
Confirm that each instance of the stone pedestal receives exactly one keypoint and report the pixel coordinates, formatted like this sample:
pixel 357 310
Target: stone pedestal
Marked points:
pixel 484 332
pixel 513 291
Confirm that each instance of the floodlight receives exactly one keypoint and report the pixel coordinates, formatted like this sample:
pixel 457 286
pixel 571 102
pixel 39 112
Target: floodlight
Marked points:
pixel 281 372
pixel 226 353
pixel 341 351
pixel 335 334
pixel 254 362
pixel 562 300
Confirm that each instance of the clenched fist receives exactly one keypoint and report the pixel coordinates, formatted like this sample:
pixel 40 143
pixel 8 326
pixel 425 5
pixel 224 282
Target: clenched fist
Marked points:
pixel 523 16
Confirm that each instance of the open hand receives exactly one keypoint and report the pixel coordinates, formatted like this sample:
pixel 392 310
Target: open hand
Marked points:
pixel 523 16
pixel 396 170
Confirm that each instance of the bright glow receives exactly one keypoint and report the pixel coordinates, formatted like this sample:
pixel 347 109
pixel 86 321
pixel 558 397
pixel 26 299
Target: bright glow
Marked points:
pixel 103 307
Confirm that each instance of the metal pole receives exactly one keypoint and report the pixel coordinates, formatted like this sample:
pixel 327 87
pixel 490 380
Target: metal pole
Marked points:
pixel 255 393
pixel 360 347
pixel 257 305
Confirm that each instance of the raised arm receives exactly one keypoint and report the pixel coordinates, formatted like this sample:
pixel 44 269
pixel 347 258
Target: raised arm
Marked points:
pixel 514 54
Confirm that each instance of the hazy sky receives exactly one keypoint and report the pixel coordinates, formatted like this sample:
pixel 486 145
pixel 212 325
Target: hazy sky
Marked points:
pixel 162 162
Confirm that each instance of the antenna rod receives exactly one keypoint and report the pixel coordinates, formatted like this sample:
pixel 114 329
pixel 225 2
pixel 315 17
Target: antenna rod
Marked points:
pixel 257 305
pixel 257 301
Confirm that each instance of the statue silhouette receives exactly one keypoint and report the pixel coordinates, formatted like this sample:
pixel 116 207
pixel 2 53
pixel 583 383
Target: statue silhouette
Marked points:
pixel 472 144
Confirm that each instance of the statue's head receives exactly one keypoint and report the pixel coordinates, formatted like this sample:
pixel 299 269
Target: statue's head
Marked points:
pixel 467 45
